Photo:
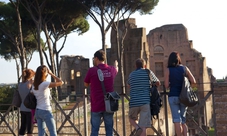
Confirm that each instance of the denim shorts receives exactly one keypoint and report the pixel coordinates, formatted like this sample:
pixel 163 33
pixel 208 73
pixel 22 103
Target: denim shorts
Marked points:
pixel 178 110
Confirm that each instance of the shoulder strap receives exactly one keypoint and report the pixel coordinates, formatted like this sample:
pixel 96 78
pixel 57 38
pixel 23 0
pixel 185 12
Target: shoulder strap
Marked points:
pixel 149 74
pixel 185 71
pixel 101 79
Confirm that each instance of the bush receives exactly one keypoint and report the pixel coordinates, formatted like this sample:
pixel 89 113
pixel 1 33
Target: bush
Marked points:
pixel 211 132
pixel 6 95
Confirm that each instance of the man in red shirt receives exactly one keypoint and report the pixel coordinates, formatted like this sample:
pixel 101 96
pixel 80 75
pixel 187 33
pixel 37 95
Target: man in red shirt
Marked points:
pixel 97 97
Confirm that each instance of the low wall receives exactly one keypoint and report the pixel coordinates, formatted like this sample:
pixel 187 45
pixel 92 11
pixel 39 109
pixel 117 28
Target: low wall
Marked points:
pixel 220 108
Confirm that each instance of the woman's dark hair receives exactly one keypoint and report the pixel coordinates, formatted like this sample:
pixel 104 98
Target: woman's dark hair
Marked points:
pixel 40 76
pixel 100 54
pixel 174 59
pixel 27 74
pixel 140 63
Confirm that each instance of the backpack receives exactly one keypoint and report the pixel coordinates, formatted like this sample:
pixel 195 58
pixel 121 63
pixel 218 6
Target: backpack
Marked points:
pixel 155 102
pixel 155 98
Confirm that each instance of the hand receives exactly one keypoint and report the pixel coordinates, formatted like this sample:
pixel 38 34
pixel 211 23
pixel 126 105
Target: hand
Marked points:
pixel 194 85
pixel 49 72
pixel 115 63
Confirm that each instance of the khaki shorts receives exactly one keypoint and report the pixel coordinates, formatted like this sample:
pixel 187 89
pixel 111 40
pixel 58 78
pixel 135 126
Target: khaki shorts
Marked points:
pixel 145 115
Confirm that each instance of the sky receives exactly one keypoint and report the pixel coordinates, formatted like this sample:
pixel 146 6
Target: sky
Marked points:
pixel 204 20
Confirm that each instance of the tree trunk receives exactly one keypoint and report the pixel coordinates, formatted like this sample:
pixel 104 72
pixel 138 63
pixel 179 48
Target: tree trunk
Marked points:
pixel 39 43
pixel 57 53
pixel 120 57
pixel 37 18
pixel 22 58
pixel 52 65
pixel 103 33
pixel 19 44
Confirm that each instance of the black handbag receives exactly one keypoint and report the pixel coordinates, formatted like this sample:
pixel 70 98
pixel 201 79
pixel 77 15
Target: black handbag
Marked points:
pixel 30 101
pixel 187 96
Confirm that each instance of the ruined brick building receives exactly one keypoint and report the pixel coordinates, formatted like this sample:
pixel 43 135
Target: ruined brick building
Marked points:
pixel 73 70
pixel 155 48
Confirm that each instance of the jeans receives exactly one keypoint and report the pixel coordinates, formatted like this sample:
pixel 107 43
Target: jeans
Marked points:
pixel 96 121
pixel 178 110
pixel 45 118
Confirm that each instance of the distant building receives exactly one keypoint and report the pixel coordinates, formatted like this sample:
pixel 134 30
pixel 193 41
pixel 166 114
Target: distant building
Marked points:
pixel 73 70
pixel 9 84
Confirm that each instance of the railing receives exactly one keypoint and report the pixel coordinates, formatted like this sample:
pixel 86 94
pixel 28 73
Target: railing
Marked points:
pixel 73 118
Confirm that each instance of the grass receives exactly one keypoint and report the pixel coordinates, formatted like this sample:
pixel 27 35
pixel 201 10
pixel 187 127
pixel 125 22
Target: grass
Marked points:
pixel 211 132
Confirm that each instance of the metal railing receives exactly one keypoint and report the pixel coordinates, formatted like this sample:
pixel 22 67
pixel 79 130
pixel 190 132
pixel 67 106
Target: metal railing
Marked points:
pixel 73 118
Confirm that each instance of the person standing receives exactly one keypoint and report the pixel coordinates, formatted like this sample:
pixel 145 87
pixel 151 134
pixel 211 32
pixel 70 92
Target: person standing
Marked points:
pixel 97 96
pixel 173 80
pixel 24 89
pixel 139 104
pixel 42 93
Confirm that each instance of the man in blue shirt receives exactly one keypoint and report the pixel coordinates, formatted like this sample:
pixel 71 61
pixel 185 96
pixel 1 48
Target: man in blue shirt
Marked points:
pixel 139 104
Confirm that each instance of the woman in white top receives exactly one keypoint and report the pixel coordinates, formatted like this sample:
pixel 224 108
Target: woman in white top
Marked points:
pixel 42 93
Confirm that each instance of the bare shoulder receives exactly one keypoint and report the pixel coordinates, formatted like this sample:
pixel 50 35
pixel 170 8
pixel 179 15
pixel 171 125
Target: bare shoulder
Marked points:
pixel 166 70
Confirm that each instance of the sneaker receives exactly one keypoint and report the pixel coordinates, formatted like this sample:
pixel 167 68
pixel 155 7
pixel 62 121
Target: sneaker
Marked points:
pixel 138 131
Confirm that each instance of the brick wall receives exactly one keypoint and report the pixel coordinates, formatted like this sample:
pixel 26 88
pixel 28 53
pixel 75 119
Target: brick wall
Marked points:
pixel 220 108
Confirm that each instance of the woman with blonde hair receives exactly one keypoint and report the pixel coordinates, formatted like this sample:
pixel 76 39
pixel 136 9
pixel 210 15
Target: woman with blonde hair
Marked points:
pixel 24 89
pixel 42 93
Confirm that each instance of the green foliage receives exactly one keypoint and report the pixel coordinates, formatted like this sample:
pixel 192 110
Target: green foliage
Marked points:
pixel 6 95
pixel 142 6
pixel 211 132
pixel 114 6
pixel 220 80
pixel 9 33
pixel 110 11
pixel 194 88
pixel 66 17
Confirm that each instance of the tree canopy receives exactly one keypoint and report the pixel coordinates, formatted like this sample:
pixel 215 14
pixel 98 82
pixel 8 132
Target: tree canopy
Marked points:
pixel 113 10
pixel 26 19
pixel 56 19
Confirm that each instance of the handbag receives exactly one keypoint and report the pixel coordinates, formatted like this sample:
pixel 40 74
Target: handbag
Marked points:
pixel 187 96
pixel 110 98
pixel 16 99
pixel 30 101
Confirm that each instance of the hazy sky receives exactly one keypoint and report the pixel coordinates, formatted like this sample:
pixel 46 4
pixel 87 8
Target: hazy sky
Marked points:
pixel 204 20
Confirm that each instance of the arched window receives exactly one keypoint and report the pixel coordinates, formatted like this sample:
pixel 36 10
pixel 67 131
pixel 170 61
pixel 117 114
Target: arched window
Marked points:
pixel 158 51
pixel 158 48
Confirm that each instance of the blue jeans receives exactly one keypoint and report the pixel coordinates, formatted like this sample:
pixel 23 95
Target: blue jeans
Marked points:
pixel 178 110
pixel 96 121
pixel 45 118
